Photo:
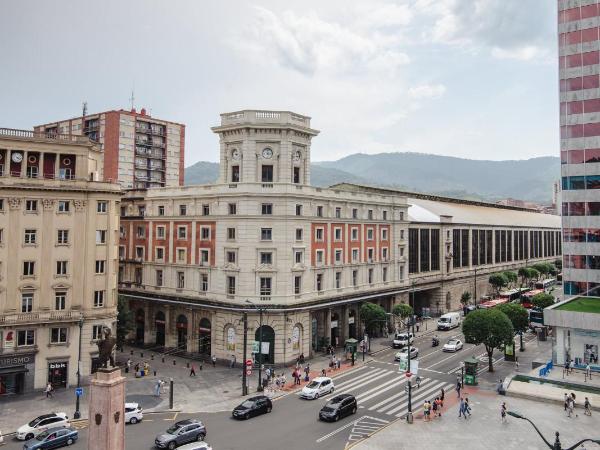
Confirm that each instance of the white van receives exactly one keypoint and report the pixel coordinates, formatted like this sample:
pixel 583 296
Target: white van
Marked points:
pixel 448 321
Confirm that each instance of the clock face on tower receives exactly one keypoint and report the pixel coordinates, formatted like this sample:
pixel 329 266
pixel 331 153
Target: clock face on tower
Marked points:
pixel 17 157
pixel 297 155
pixel 267 153
pixel 235 154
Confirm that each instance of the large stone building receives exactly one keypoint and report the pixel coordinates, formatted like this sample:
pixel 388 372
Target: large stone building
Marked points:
pixel 140 151
pixel 58 257
pixel 194 258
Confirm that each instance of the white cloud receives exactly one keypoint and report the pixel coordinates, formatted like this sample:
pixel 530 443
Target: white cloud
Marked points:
pixel 427 91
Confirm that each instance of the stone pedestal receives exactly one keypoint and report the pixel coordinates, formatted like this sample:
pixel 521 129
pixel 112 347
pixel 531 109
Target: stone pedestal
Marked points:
pixel 106 428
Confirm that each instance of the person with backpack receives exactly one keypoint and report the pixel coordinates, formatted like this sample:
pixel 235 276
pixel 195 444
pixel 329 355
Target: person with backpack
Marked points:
pixel 587 407
pixel 503 412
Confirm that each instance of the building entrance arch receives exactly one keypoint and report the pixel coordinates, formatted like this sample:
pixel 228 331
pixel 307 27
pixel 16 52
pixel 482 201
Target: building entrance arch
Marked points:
pixel 182 332
pixel 159 323
pixel 204 336
pixel 268 342
pixel 139 326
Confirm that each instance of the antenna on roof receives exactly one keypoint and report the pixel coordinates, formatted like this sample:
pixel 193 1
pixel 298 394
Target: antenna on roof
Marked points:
pixel 132 98
pixel 84 113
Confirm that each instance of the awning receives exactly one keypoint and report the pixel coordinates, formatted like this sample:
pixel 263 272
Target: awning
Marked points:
pixel 9 370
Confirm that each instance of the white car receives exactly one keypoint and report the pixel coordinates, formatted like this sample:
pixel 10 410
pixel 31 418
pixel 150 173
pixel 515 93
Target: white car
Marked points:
pixel 317 387
pixel 195 446
pixel 133 413
pixel 414 352
pixel 401 339
pixel 42 423
pixel 453 345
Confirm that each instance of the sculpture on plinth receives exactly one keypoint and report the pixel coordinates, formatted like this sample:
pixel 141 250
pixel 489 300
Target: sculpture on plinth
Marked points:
pixel 106 348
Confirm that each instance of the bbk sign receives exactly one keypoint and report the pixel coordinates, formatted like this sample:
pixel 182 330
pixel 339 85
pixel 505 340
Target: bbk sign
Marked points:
pixel 57 365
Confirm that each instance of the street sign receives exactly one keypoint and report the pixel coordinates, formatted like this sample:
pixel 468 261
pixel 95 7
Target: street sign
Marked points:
pixel 79 392
pixel 408 374
pixel 249 362
pixel 249 372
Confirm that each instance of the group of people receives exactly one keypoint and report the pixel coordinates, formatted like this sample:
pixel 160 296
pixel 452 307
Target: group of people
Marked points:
pixel 569 405
pixel 434 407
pixel 297 373
pixel 274 381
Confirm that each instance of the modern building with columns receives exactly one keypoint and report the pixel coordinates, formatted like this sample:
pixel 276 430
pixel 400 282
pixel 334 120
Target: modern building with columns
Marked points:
pixel 193 259
pixel 58 258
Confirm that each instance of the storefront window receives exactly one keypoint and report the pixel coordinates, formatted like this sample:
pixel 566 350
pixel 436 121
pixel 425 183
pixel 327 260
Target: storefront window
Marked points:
pixel 58 374
pixel 591 354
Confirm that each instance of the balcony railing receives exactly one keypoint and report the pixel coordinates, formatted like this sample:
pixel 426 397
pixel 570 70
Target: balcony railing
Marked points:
pixel 40 317
pixel 28 134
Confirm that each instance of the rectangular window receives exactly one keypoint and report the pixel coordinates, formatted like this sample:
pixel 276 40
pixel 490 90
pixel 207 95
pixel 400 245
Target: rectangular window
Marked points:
pixel 338 280
pixel 265 287
pixel 266 234
pixel 183 210
pixel 205 233
pixel 235 174
pixel 338 257
pixel 456 248
pixel 97 332
pixel 31 205
pixel 424 250
pixel 320 257
pixel 232 208
pixel 61 267
pixel 63 206
pixel 413 251
pixel 27 302
pixel 266 258
pixel 25 338
pixel 337 234
pixel 100 266
pixel 161 210
pixel 319 211
pixel 62 237
pixel 230 256
pixel 370 255
pixel 384 274
pixel 182 232
pixel 384 234
pixel 28 268
pixel 180 280
pixel 297 284
pixel 355 278
pixel 384 254
pixel 101 206
pixel 100 236
pixel 266 209
pixel 203 282
pixel 160 232
pixel 319 234
pixel 298 256
pixel 385 215
pixel 204 257
pixel 98 299
pixel 370 276
pixel 141 232
pixel 296 176
pixel 1 235
pixel 30 236
pixel 60 300
pixel 338 213
pixel 139 252
pixel 370 214
pixel 369 234
pixel 267 174
pixel 354 255
pixel 354 234
pixel 231 285
pixel 319 282
pixel 160 253
pixel 489 238
pixel 181 255
pixel 298 234
pixel 159 277
pixel 355 213
pixel 435 249
pixel 231 234
pixel 205 210
pixel 58 335
pixel 298 210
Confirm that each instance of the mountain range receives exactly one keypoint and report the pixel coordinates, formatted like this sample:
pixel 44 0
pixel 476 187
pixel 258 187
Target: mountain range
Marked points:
pixel 527 179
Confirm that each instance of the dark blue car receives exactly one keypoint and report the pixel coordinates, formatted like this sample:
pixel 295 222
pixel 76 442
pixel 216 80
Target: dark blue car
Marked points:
pixel 52 438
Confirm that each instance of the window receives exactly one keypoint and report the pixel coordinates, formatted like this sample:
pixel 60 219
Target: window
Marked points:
pixel 384 254
pixel 338 257
pixel 369 234
pixel 401 215
pixel 384 274
pixel 61 267
pixel 100 266
pixel 204 257
pixel 160 232
pixel 298 234
pixel 320 258
pixel 338 280
pixel 180 280
pixel 230 257
pixel 231 285
pixel 101 206
pixel 355 213
pixel 161 210
pixel 121 252
pixel 338 212
pixel 97 332
pixel 319 211
pixel 204 282
pixel 27 302
pixel 63 206
pixel 60 300
pixel 141 232
pixel 265 287
pixel 231 234
pixel 354 234
pixel 98 299
pixel 181 255
pixel 384 234
pixel 319 234
pixel 401 271
pixel 298 210
pixel 370 214
pixel 354 255
pixel 337 234
pixel 370 276
pixel 63 237
pixel 425 254
pixel 297 284
pixel 28 268
pixel 355 278
pixel 182 210
pixel 267 174
pixel 266 234
pixel 384 213
pixel 298 256
pixel 266 209
pixel 266 258
pixel 370 254
pixel 401 234
pixel 31 205
pixel 139 252
pixel 182 232
pixel 159 277
pixel 1 199
pixel 232 208
pixel 58 335
pixel 160 253
pixel 205 233
pixel 319 282
pixel 100 236
pixel 30 236
pixel 205 210
pixel 1 235
pixel 235 174
pixel 25 338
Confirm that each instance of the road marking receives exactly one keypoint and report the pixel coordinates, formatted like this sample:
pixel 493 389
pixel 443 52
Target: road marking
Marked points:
pixel 365 428
pixel 351 371
pixel 399 383
pixel 434 371
pixel 393 397
pixel 442 360
pixel 372 374
pixel 416 392
pixel 379 389
pixel 361 383
pixel 418 397
pixel 174 416
pixel 327 436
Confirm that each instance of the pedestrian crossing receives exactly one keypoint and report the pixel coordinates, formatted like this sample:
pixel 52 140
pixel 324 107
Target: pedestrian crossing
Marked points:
pixel 381 390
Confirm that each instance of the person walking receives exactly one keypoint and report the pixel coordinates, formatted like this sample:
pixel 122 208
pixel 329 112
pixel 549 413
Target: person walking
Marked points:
pixel 566 402
pixel 588 371
pixel 434 406
pixel 458 388
pixel 573 403
pixel 157 388
pixel 570 407
pixel 128 365
pixel 339 363
pixel 503 412
pixel 461 408
pixel 232 362
pixel 467 408
pixel 426 407
pixel 442 395
pixel 49 390
pixel 192 370
pixel 323 372
pixel 214 361
pixel 307 372
pixel 418 381
pixel 439 408
pixel 587 407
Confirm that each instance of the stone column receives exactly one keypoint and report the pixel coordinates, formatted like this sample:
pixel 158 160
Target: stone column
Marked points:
pixel 106 411
pixel 328 326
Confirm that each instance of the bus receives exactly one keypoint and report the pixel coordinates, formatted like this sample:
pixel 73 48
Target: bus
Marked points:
pixel 526 298
pixel 513 294
pixel 545 284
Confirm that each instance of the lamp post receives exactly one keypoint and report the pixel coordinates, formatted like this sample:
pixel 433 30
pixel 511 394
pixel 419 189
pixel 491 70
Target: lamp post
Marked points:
pixel 77 414
pixel 475 288
pixel 244 368
pixel 557 444
pixel 260 309
pixel 409 414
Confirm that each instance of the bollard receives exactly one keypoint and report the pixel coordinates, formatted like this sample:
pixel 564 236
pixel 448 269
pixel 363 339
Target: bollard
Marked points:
pixel 187 365
pixel 174 362
pixel 152 357
pixel 171 393
pixel 163 359
pixel 154 372
pixel 131 352
pixel 141 354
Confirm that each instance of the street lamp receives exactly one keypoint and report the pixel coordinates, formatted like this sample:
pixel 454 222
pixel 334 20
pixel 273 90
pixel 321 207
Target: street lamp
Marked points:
pixel 77 414
pixel 409 414
pixel 260 338
pixel 475 289
pixel 557 444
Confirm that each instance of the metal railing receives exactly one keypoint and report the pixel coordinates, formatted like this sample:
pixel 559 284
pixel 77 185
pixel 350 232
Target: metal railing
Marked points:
pixel 33 317
pixel 28 134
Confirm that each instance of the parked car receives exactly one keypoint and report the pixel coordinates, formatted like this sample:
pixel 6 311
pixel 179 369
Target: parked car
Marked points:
pixel 317 387
pixel 453 345
pixel 339 406
pixel 195 446
pixel 401 339
pixel 180 433
pixel 133 413
pixel 52 438
pixel 414 352
pixel 253 406
pixel 42 423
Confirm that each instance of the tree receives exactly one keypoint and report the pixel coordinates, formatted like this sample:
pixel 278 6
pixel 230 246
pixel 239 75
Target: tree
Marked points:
pixel 558 264
pixel 534 274
pixel 511 277
pixel 543 268
pixel 490 327
pixel 518 316
pixel 124 320
pixel 370 314
pixel 542 300
pixel 498 281
pixel 465 297
pixel 402 310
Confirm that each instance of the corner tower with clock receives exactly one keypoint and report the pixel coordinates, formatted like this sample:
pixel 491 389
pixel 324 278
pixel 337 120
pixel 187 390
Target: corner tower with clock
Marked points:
pixel 264 147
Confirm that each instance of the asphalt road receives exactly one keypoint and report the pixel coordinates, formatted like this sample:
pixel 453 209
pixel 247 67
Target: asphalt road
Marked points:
pixel 294 424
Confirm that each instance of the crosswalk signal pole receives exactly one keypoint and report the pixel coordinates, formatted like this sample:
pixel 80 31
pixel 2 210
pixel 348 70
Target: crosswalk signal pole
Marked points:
pixel 409 414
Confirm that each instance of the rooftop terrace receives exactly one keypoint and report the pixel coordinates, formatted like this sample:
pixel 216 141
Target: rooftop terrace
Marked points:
pixel 581 304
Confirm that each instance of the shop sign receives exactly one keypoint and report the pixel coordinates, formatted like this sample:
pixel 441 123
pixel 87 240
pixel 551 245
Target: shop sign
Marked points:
pixel 350 320
pixel 9 339
pixel 20 360
pixel 334 324
pixel 57 365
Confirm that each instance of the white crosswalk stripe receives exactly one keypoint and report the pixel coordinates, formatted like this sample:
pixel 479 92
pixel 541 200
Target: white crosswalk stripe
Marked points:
pixel 402 397
pixel 363 382
pixel 394 397
pixel 364 376
pixel 379 389
pixel 418 397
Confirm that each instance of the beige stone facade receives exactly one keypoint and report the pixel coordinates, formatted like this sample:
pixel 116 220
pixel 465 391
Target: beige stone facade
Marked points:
pixel 58 258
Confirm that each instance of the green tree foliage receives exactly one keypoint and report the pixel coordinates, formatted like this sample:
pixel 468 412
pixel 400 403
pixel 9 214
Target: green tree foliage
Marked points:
pixel 372 315
pixel 402 310
pixel 124 320
pixel 545 269
pixel 498 281
pixel 518 316
pixel 465 297
pixel 490 327
pixel 542 300
pixel 511 277
pixel 558 264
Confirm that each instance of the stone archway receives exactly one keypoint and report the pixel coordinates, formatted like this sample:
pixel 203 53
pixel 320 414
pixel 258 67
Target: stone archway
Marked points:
pixel 204 336
pixel 182 332
pixel 139 325
pixel 159 323
pixel 297 338
pixel 268 340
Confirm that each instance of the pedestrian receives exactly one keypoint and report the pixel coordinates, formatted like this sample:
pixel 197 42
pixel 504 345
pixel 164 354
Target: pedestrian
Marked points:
pixel 587 407
pixel 442 395
pixel 517 364
pixel 214 361
pixel 418 325
pixel 192 370
pixel 232 363
pixel 503 412
pixel 570 407
pixel 461 408
pixel 339 363
pixel 128 365
pixel 434 407
pixel 157 388
pixel 573 403
pixel 439 408
pixel 323 372
pixel 458 389
pixel 588 371
pixel 566 401
pixel 306 371
pixel 418 381
pixel 426 407
pixel 268 374
pixel 49 390
pixel 467 408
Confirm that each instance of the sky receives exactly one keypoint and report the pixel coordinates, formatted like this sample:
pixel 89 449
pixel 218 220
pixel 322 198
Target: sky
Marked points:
pixel 466 78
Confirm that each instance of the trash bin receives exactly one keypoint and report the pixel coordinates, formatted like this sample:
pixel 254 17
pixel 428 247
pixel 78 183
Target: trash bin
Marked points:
pixel 471 371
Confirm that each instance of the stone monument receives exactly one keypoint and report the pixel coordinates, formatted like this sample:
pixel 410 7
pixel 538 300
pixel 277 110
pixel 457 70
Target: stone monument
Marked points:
pixel 106 428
